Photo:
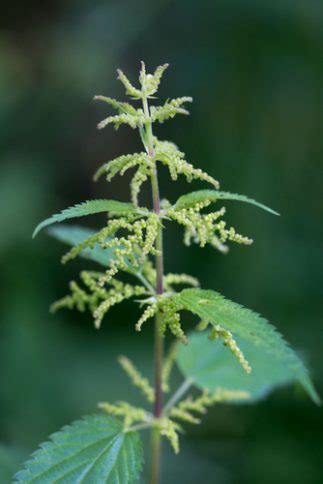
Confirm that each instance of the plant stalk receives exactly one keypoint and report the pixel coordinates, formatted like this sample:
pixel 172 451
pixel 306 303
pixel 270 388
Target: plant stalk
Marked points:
pixel 159 346
pixel 155 447
pixel 159 349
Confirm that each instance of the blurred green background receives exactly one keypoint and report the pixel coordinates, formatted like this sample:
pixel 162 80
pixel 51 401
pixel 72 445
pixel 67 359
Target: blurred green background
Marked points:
pixel 254 68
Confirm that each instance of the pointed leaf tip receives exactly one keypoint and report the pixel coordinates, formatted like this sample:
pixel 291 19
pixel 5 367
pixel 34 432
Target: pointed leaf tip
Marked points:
pixel 90 207
pixel 250 327
pixel 210 365
pixel 213 195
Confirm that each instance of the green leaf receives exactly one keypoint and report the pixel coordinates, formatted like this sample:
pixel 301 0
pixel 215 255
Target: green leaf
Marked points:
pixel 87 208
pixel 186 201
pixel 209 364
pixel 92 450
pixel 248 326
pixel 74 235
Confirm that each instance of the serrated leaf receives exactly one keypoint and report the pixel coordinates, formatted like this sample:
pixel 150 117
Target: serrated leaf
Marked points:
pixel 92 450
pixel 90 207
pixel 209 364
pixel 248 326
pixel 188 200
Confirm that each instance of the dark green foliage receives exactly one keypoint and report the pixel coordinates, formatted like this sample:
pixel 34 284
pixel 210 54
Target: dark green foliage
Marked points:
pixel 90 207
pixel 186 201
pixel 92 450
pixel 211 307
pixel 210 365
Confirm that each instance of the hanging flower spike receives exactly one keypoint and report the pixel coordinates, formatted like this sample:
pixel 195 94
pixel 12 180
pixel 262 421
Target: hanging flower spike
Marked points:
pixel 115 296
pixel 169 429
pixel 138 179
pixel 183 411
pixel 230 342
pixel 141 236
pixel 168 154
pixel 97 298
pixel 172 320
pixel 120 165
pixel 179 279
pixel 136 378
pixel 148 313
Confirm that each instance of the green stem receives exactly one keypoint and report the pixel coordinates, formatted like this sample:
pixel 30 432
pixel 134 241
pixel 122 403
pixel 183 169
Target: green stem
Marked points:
pixel 159 346
pixel 159 351
pixel 155 446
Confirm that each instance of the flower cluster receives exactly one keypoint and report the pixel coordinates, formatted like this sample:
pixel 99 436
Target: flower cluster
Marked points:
pixel 163 151
pixel 100 298
pixel 170 316
pixel 121 164
pixel 129 413
pixel 228 340
pixel 169 109
pixel 204 228
pixel 169 429
pixel 183 411
pixel 136 378
pixel 96 298
pixel 137 415
pixel 130 249
pixel 169 155
pixel 149 82
pixel 171 280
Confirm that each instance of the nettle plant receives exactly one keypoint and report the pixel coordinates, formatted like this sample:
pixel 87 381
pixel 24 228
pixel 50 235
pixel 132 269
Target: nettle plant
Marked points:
pixel 233 356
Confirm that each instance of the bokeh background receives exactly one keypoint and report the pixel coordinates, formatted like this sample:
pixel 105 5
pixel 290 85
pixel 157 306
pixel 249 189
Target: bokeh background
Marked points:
pixel 254 68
